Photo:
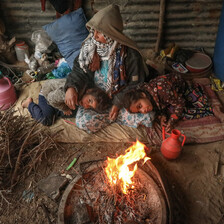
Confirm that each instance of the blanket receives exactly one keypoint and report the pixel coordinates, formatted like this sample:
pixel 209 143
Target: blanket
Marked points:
pixel 203 130
pixel 69 133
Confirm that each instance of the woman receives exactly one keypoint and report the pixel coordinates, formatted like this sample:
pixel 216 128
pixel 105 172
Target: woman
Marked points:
pixel 111 61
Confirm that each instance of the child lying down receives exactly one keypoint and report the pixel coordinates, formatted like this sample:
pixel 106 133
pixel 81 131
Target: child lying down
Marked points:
pixel 51 103
pixel 170 97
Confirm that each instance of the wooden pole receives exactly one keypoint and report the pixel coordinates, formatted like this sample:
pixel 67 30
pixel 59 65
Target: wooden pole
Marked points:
pixel 161 21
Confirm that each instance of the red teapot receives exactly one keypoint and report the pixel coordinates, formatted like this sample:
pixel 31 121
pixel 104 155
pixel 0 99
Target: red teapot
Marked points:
pixel 172 146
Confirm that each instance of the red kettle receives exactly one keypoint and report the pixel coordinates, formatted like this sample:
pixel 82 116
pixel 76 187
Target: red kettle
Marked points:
pixel 172 146
pixel 7 93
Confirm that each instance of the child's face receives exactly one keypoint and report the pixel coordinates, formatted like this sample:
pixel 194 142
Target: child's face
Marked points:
pixel 88 101
pixel 142 105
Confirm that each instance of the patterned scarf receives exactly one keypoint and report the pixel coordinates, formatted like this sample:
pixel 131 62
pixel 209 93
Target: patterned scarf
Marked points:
pixel 111 51
pixel 104 50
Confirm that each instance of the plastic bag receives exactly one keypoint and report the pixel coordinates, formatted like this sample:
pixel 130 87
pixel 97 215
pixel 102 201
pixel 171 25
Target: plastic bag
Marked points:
pixel 42 41
pixel 32 62
pixel 62 69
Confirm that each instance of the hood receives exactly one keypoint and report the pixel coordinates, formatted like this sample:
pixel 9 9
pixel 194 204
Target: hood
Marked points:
pixel 109 22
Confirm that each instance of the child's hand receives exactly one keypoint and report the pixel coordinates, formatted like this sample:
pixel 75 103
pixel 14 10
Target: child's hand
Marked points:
pixel 163 121
pixel 113 113
pixel 71 98
pixel 169 126
pixel 67 112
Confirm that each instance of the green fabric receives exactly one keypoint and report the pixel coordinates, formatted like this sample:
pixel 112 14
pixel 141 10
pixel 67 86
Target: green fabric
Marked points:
pixel 50 76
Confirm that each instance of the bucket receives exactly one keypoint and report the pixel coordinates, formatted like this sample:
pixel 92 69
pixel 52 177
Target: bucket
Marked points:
pixel 22 49
pixel 7 93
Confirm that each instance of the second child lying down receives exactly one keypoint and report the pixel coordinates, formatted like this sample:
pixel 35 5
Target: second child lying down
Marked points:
pixel 170 97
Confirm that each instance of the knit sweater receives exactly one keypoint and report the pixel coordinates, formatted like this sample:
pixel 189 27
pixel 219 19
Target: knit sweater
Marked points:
pixel 53 91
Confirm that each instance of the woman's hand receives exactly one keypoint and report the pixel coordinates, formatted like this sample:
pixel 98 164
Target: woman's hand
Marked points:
pixel 113 113
pixel 71 98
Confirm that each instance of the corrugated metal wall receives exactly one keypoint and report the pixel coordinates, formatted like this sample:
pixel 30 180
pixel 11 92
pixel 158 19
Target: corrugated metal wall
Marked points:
pixel 22 17
pixel 188 23
pixel 193 24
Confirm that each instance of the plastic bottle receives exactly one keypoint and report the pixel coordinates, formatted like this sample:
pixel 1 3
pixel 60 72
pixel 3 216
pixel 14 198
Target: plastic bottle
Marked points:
pixel 21 49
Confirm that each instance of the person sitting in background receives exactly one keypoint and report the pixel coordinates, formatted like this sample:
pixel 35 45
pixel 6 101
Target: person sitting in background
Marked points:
pixel 51 102
pixel 170 97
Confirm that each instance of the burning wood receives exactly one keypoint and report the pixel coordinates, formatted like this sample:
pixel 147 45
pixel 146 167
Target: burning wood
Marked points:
pixel 116 192
pixel 118 171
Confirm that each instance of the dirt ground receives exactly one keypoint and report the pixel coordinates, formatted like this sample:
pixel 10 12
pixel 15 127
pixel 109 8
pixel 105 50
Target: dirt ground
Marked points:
pixel 195 190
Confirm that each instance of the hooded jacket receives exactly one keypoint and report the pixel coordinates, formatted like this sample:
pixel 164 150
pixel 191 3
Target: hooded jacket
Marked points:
pixel 109 22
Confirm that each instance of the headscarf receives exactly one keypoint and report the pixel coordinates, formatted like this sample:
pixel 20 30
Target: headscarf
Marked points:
pixel 106 51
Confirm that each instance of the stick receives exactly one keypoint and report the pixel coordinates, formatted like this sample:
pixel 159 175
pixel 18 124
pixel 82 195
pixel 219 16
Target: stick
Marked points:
pixel 28 220
pixel 77 150
pixel 161 21
pixel 43 206
pixel 20 154
pixel 4 198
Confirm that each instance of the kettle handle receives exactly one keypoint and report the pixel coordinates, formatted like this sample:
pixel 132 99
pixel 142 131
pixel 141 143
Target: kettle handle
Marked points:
pixel 164 133
pixel 183 139
pixel 9 82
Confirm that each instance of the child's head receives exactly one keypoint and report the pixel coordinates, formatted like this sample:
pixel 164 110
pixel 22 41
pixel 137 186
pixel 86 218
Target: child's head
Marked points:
pixel 96 99
pixel 136 101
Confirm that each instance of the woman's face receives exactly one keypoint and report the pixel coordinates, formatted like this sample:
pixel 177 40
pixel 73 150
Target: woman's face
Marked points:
pixel 99 37
pixel 88 101
pixel 142 106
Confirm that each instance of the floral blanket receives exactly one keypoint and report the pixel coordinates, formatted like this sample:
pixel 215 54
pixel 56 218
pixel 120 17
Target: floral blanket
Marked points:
pixel 202 130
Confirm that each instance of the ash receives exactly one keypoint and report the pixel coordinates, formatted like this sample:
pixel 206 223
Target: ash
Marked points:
pixel 107 204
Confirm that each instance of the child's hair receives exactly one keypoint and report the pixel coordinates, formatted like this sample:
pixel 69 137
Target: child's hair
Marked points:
pixel 131 96
pixel 103 100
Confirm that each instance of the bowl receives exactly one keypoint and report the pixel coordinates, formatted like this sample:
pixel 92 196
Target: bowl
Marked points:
pixel 199 62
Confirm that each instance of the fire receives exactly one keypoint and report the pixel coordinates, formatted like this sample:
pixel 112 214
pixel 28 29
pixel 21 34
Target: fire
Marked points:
pixel 117 170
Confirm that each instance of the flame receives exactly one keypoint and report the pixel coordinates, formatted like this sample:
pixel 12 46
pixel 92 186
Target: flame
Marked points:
pixel 117 170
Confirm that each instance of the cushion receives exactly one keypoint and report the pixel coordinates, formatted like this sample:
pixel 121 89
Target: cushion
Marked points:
pixel 68 32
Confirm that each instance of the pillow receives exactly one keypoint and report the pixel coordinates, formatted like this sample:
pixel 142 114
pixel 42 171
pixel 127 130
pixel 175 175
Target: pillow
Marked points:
pixel 68 32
